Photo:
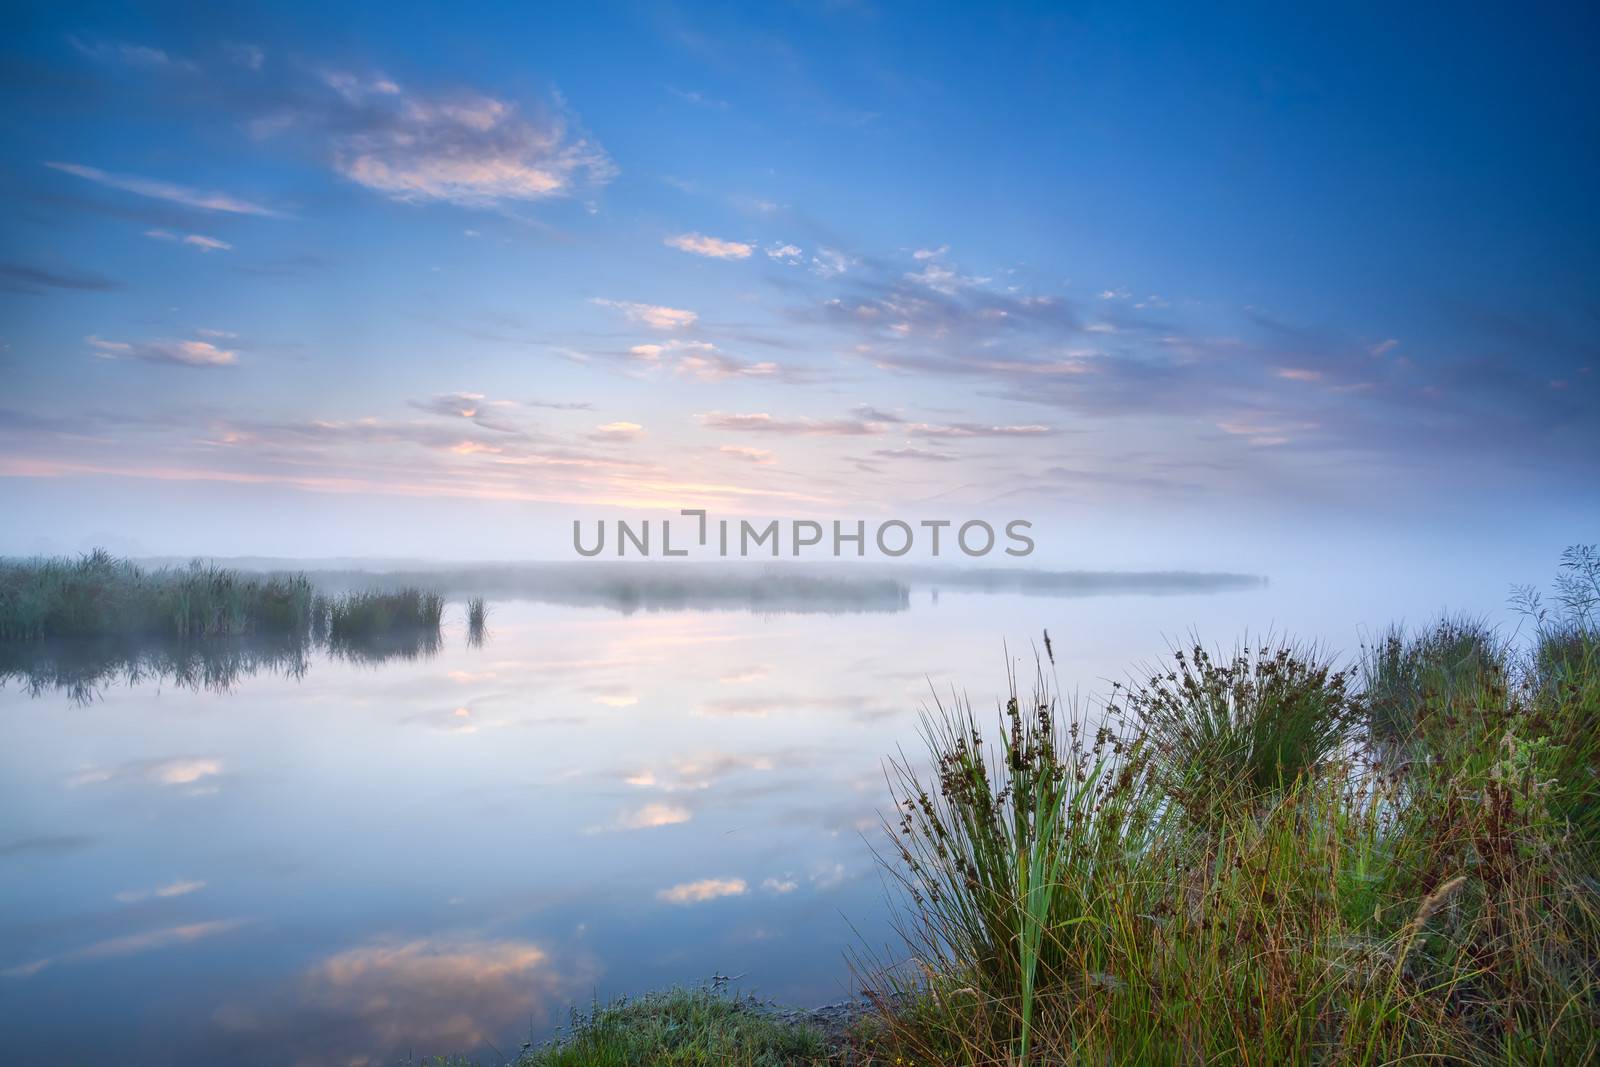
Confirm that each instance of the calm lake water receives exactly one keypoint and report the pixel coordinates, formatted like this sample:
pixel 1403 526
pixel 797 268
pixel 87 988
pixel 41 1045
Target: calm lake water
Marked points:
pixel 353 861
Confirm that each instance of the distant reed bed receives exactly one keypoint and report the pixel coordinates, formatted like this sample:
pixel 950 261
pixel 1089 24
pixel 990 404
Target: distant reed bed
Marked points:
pixel 75 623
pixel 98 595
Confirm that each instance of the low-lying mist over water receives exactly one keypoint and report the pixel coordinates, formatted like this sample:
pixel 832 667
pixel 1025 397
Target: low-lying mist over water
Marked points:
pixel 83 666
pixel 656 586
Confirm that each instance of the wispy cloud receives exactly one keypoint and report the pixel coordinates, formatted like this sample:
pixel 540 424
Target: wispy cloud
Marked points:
pixel 562 405
pixel 655 316
pixel 475 407
pixel 793 255
pixel 436 456
pixel 168 191
pixel 248 56
pixel 20 278
pixel 1120 357
pixel 182 353
pixel 1265 434
pixel 717 366
pixel 700 772
pixel 694 96
pixel 172 889
pixel 194 240
pixel 651 816
pixel 465 148
pixel 617 431
pixel 657 352
pixel 703 890
pixel 130 944
pixel 612 696
pixel 830 262
pixel 913 452
pixel 128 53
pixel 703 361
pixel 713 247
pixel 762 422
pixel 440 992
pixel 866 422
pixel 761 706
pixel 188 773
pixel 938 275
pixel 975 429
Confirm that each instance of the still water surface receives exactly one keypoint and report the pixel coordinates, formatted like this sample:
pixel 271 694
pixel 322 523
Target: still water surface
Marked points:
pixel 342 862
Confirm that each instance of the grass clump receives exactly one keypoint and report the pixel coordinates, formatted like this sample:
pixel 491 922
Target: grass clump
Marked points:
pixel 1229 875
pixel 1005 852
pixel 372 627
pixel 477 621
pixel 360 615
pixel 1406 676
pixel 98 595
pixel 1226 732
pixel 681 1028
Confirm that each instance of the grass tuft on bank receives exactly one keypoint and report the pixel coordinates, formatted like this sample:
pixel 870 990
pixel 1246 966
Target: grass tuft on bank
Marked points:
pixel 681 1028
pixel 1251 859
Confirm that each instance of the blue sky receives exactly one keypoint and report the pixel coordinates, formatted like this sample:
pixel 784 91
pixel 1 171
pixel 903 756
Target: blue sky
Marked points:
pixel 393 279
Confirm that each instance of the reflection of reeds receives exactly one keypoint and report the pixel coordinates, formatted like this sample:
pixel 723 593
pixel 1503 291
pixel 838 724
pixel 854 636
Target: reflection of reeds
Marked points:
pixel 407 643
pixel 477 618
pixel 82 668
